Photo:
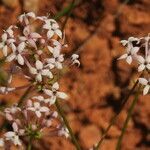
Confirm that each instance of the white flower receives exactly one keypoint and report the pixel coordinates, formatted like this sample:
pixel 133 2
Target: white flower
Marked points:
pixel 63 132
pixel 25 17
pixel 30 37
pixel 14 135
pixel 6 90
pixel 42 99
pixel 1 142
pixel 74 59
pixel 146 83
pixel 11 111
pixel 17 53
pixel 144 63
pixel 39 71
pixel 129 41
pixel 53 28
pixel 57 59
pixel 37 108
pixel 7 39
pixel 131 53
pixel 54 93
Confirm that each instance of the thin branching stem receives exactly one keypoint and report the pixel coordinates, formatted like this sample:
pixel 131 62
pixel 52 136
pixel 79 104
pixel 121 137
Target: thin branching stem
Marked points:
pixel 118 147
pixel 67 9
pixel 23 97
pixel 115 117
pixel 61 113
pixel 30 144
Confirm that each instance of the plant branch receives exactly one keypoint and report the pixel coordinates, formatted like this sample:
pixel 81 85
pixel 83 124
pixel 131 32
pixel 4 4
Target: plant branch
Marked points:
pixel 127 120
pixel 30 144
pixel 61 113
pixel 66 10
pixel 23 97
pixel 115 117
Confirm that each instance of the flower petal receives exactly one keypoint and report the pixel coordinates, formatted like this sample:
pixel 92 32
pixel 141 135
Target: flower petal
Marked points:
pixel 4 50
pixel 124 56
pixel 38 113
pixel 21 47
pixel 20 59
pixel 44 109
pixel 39 65
pixel 39 77
pixel 62 95
pixel 59 33
pixel 129 59
pixel 146 89
pixel 50 33
pixel 55 86
pixel 141 67
pixel 48 92
pixel 143 81
pixel 11 57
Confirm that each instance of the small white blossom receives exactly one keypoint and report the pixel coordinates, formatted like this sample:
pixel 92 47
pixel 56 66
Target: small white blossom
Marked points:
pixel 7 39
pixel 54 93
pixel 14 135
pixel 42 99
pixel 146 84
pixel 129 41
pixel 63 132
pixel 25 17
pixel 144 63
pixel 74 59
pixel 17 53
pixel 39 71
pixel 30 37
pixel 6 90
pixel 131 53
pixel 37 108
pixel 57 59
pixel 53 28
pixel 11 111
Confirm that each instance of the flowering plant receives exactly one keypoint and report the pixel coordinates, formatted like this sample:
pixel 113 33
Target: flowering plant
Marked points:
pixel 34 48
pixel 137 49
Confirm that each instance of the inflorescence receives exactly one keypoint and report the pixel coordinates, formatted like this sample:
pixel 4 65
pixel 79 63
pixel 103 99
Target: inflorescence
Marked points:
pixel 34 47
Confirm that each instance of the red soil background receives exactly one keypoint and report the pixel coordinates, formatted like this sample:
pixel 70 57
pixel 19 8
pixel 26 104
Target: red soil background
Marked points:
pixel 96 89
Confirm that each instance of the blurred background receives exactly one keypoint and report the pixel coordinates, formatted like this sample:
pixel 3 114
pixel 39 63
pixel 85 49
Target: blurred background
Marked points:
pixel 97 87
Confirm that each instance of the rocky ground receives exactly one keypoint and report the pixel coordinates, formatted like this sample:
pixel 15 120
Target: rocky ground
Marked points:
pixel 96 89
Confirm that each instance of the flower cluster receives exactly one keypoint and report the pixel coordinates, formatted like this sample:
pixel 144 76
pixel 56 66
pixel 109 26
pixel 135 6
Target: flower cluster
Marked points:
pixel 35 48
pixel 138 50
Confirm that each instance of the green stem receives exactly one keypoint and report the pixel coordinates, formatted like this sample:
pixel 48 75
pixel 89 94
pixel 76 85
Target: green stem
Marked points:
pixel 61 113
pixel 66 10
pixel 118 147
pixel 115 117
pixel 30 144
pixel 23 97
pixel 68 15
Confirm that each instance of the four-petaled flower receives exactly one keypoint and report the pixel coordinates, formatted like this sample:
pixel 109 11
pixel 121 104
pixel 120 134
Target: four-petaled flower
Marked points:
pixel 39 71
pixel 37 108
pixel 7 39
pixel 30 37
pixel 144 63
pixel 54 93
pixel 57 59
pixel 53 28
pixel 131 53
pixel 14 135
pixel 24 18
pixel 17 53
pixel 42 99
